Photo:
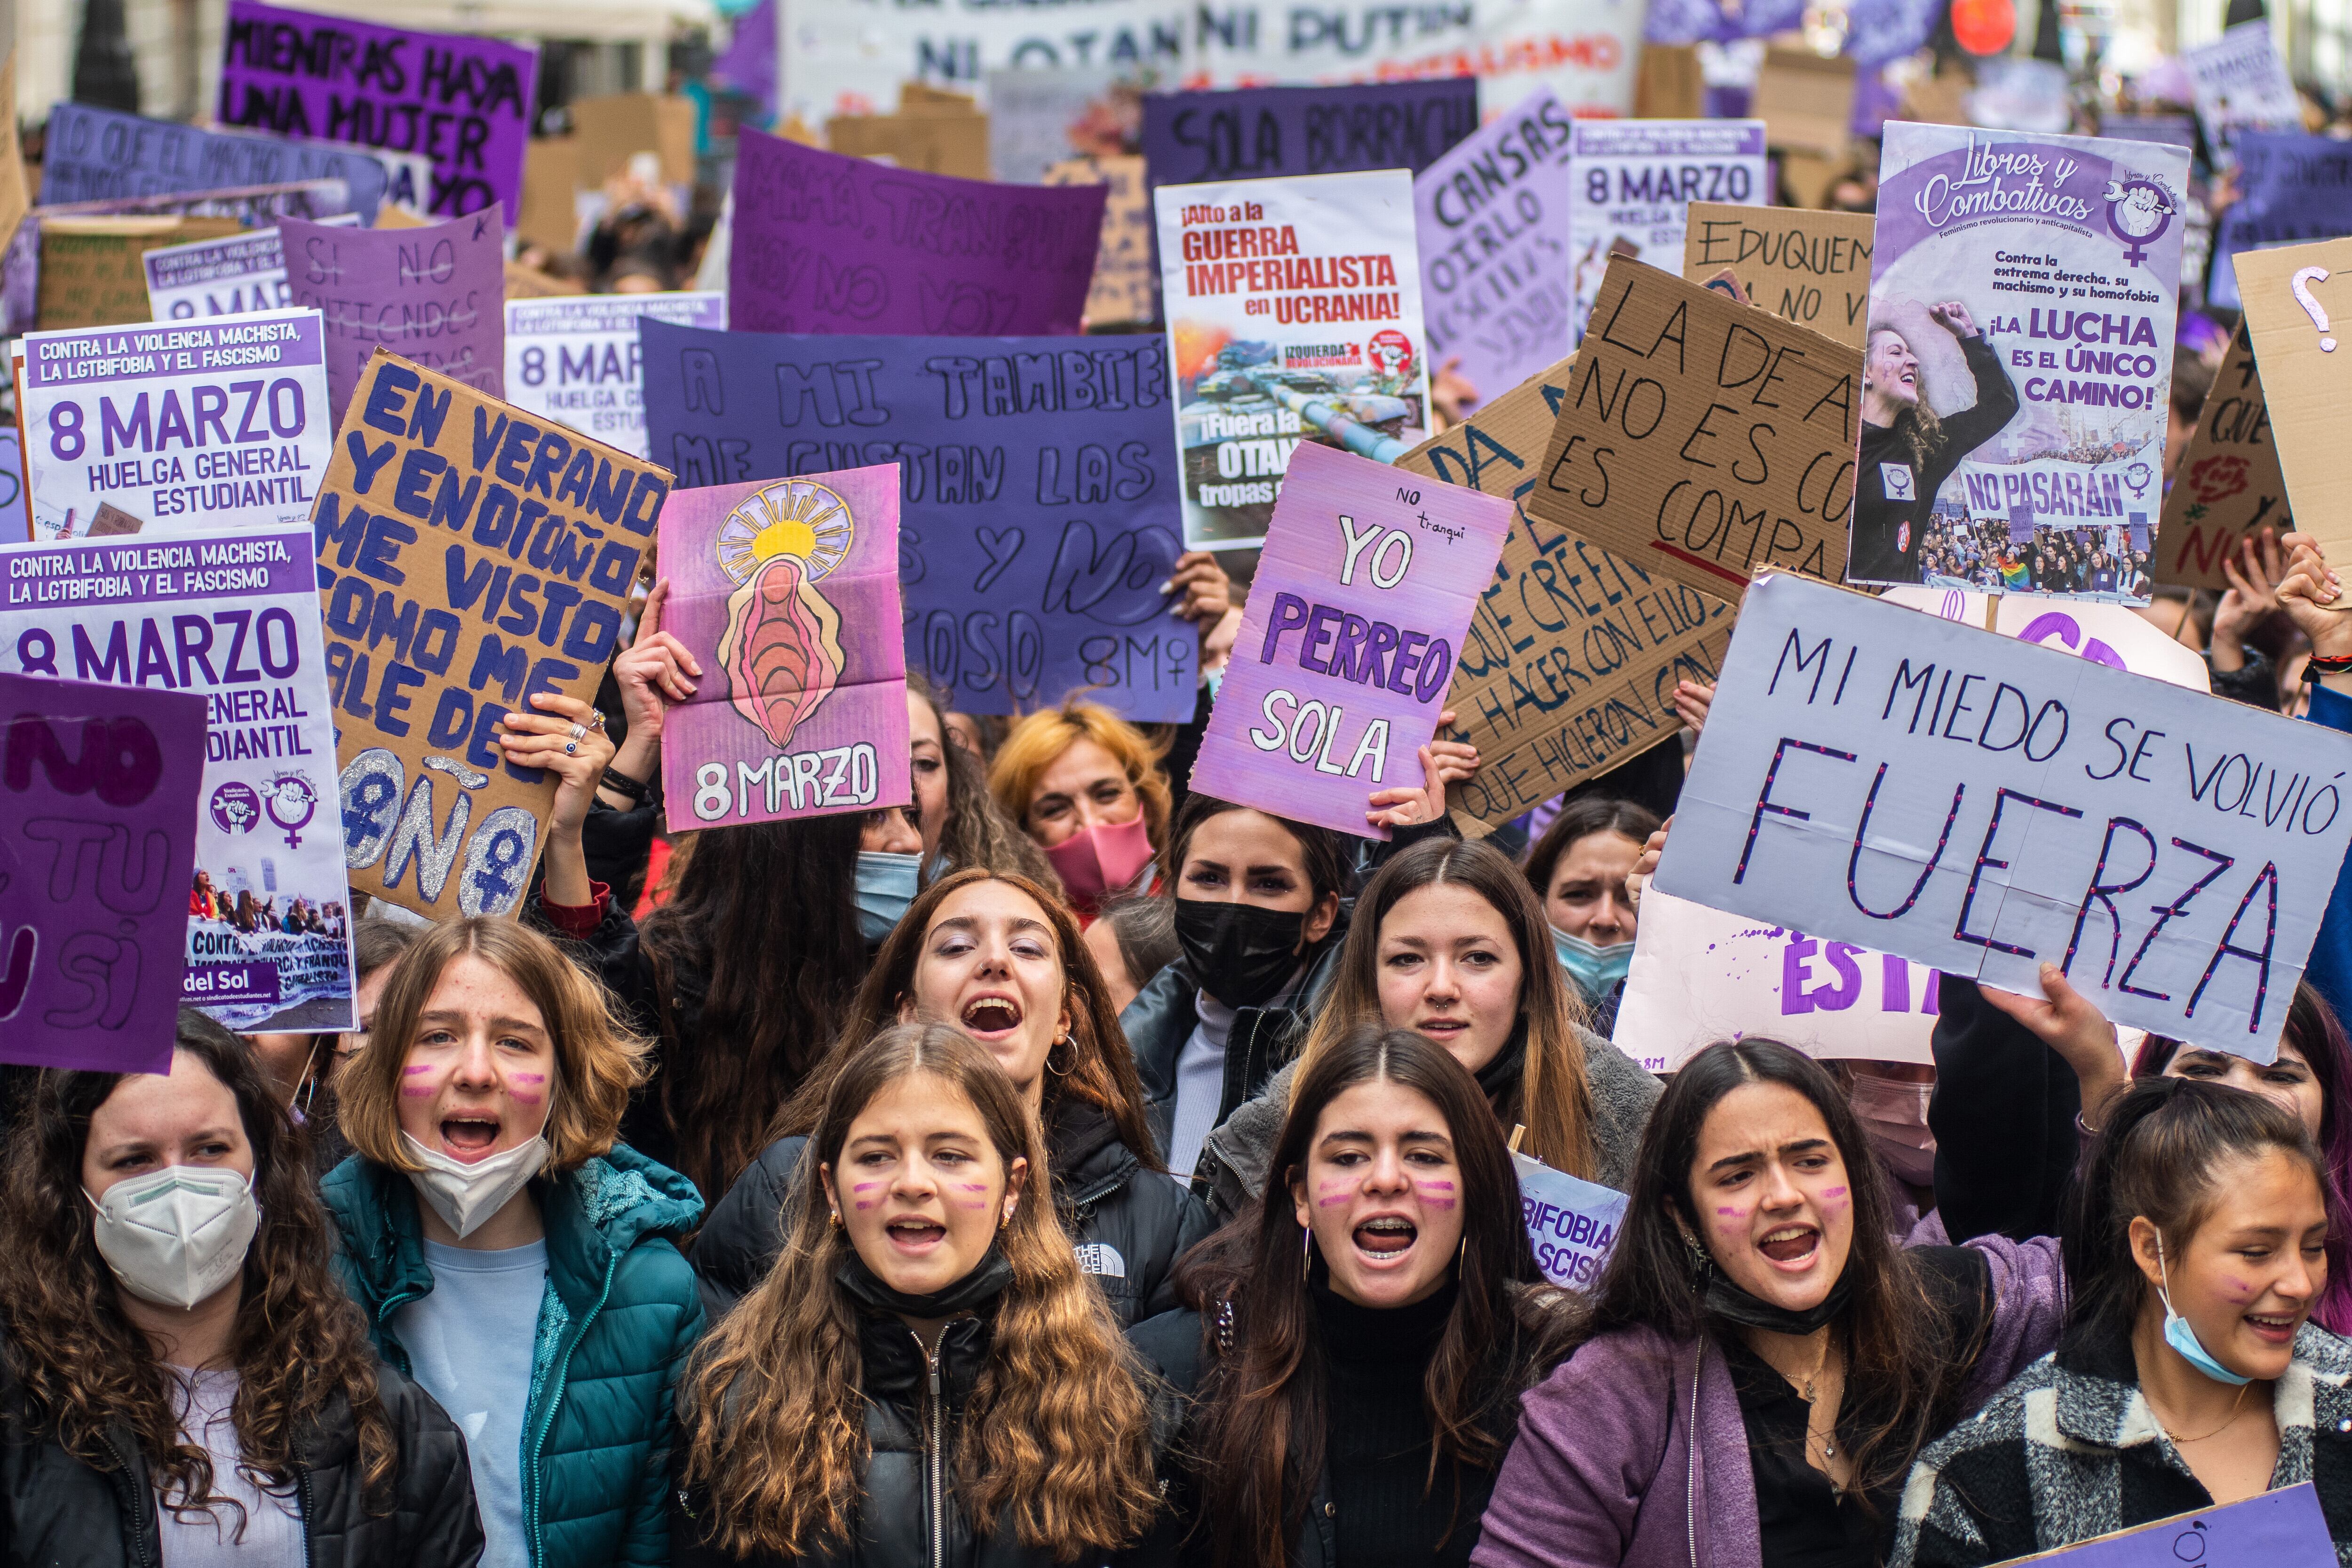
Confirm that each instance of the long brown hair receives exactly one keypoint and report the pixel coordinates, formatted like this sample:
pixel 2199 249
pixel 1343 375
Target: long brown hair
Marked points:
pixel 1054 1440
pixel 1259 1417
pixel 298 1341
pixel 1553 1099
pixel 978 832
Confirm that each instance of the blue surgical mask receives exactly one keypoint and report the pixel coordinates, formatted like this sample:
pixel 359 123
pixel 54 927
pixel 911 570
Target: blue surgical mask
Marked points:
pixel 886 886
pixel 1595 970
pixel 2182 1338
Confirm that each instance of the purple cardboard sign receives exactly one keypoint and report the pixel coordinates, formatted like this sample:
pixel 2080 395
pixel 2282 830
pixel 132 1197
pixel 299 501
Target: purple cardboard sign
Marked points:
pixel 1256 132
pixel 434 296
pixel 2284 1527
pixel 787 593
pixel 464 102
pixel 98 844
pixel 1366 583
pixel 826 243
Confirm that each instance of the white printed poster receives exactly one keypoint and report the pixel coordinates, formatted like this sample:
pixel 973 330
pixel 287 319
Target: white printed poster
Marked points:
pixel 1294 313
pixel 1634 181
pixel 224 277
pixel 2240 84
pixel 574 358
pixel 181 424
pixel 232 614
pixel 2019 364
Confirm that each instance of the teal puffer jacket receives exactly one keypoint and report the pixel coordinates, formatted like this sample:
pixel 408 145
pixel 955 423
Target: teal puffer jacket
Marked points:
pixel 619 1317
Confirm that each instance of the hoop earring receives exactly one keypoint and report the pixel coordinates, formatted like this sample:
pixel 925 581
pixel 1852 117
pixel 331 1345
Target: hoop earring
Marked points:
pixel 1060 1072
pixel 837 1219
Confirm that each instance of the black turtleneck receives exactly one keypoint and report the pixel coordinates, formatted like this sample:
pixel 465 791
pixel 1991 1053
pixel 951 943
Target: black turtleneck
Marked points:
pixel 1376 1456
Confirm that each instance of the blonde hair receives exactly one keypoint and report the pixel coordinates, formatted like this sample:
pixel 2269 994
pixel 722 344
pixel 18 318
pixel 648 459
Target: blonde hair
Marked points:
pixel 598 1060
pixel 1038 741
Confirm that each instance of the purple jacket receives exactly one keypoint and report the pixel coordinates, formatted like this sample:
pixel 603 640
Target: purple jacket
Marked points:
pixel 1604 1473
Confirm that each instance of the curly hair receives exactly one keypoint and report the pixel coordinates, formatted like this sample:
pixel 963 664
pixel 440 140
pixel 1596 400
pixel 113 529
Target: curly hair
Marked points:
pixel 1055 1436
pixel 298 1342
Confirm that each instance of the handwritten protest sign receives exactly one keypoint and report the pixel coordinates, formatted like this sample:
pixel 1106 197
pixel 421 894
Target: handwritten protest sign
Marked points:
pixel 1569 664
pixel 433 295
pixel 2240 84
pixel 1293 315
pixel 787 593
pixel 1634 182
pixel 468 557
pixel 2229 483
pixel 224 277
pixel 192 425
pixel 2292 188
pixel 576 359
pixel 1572 1223
pixel 91 154
pixel 2027 285
pixel 1257 133
pixel 91 267
pixel 1703 438
pixel 1491 216
pixel 233 617
pixel 2297 297
pixel 1810 268
pixel 828 244
pixel 97 840
pixel 2281 1527
pixel 1121 288
pixel 1037 507
pixel 1346 645
pixel 463 102
pixel 2170 851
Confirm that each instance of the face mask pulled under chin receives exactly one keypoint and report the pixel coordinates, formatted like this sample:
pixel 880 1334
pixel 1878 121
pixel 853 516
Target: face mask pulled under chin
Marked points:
pixel 465 1195
pixel 1102 859
pixel 176 1235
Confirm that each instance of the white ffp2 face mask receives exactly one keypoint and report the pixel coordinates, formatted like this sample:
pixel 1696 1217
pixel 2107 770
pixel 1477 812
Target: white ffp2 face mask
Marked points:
pixel 176 1235
pixel 465 1196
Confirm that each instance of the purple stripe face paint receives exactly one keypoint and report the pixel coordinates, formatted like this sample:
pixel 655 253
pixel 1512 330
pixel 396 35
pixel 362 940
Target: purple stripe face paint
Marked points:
pixel 1435 1195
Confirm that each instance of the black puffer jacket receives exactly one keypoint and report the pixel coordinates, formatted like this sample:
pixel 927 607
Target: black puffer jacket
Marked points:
pixel 1131 1224
pixel 58 1512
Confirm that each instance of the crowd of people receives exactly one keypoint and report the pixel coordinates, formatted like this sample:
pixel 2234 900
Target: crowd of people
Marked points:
pixel 243 911
pixel 1961 551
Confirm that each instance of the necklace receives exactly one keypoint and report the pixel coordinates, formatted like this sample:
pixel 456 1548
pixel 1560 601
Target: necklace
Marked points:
pixel 2177 1439
pixel 1807 1391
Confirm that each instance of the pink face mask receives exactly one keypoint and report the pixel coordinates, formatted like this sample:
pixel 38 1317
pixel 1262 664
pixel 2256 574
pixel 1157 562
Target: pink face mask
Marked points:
pixel 1100 859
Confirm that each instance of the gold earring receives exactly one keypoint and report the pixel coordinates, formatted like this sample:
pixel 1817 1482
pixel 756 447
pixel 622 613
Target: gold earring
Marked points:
pixel 1006 1223
pixel 837 1219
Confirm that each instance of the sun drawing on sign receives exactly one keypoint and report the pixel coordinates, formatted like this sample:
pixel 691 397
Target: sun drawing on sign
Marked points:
pixel 781 648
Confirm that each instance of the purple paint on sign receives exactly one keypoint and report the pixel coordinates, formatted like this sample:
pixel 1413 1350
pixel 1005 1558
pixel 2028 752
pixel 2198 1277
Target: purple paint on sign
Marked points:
pixel 434 296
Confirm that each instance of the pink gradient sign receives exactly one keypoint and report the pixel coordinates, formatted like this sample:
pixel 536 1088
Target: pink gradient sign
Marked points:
pixel 1348 645
pixel 786 592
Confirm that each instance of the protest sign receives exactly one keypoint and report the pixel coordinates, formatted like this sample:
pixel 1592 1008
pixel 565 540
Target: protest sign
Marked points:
pixel 615 127
pixel 1037 514
pixel 463 102
pixel 1670 84
pixel 824 243
pixel 1037 119
pixel 1121 288
pixel 1257 133
pixel 1805 101
pixel 15 197
pixel 931 144
pixel 225 277
pixel 1634 182
pixel 468 557
pixel 2171 852
pixel 99 840
pixel 91 267
pixel 1810 268
pixel 2049 419
pixel 2113 634
pixel 550 189
pixel 2229 485
pixel 1572 1223
pixel 2295 295
pixel 1491 218
pixel 2281 1527
pixel 575 357
pixel 2291 189
pixel 528 283
pixel 2240 84
pixel 91 154
pixel 1371 576
pixel 1294 314
pixel 1703 438
pixel 786 591
pixel 1569 664
pixel 231 616
pixel 433 295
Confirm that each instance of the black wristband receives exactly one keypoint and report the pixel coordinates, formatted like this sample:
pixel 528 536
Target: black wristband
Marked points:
pixel 622 784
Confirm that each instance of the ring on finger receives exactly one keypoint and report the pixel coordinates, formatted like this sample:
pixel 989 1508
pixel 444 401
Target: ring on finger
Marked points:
pixel 579 732
pixel 571 747
pixel 596 721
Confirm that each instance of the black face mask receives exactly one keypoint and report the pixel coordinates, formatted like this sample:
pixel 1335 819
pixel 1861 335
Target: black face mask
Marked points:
pixel 1726 1300
pixel 983 1284
pixel 1241 955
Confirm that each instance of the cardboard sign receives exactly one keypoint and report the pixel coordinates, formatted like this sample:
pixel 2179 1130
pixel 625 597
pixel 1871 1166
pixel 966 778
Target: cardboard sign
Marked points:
pixel 1121 290
pixel 931 144
pixel 1671 85
pixel 1880 777
pixel 2240 84
pixel 2304 374
pixel 787 593
pixel 1293 315
pixel 1634 182
pixel 1572 1223
pixel 232 617
pixel 196 424
pixel 91 273
pixel 225 277
pixel 1347 646
pixel 468 557
pixel 1257 133
pixel 551 183
pixel 15 198
pixel 2282 1526
pixel 91 154
pixel 2292 188
pixel 1810 268
pixel 433 295
pixel 1569 664
pixel 2048 386
pixel 1037 513
pixel 1704 438
pixel 463 102
pixel 2229 485
pixel 1805 101
pixel 575 359
pixel 98 835
pixel 1492 220
pixel 824 243
pixel 612 128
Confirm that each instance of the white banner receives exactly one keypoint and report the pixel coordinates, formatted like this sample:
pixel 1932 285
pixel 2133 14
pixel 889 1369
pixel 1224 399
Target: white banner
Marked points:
pixel 574 358
pixel 225 277
pixel 1633 184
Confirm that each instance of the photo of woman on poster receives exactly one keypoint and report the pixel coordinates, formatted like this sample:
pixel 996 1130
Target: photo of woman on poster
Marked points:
pixel 1907 452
